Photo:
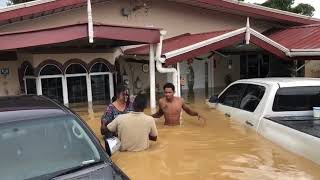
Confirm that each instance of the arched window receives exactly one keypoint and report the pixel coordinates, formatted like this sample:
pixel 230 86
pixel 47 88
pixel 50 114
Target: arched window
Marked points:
pixel 29 80
pixel 29 71
pixel 50 70
pixel 76 83
pixel 75 69
pixel 51 82
pixel 101 83
pixel 99 67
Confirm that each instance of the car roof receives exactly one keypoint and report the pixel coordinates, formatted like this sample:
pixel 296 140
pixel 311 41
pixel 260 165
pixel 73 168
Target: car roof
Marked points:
pixel 284 82
pixel 17 108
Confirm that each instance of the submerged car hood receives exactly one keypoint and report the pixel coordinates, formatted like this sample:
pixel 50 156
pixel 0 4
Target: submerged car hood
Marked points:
pixel 104 171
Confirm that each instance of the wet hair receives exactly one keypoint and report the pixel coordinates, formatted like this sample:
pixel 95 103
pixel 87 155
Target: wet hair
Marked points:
pixel 168 85
pixel 140 103
pixel 114 98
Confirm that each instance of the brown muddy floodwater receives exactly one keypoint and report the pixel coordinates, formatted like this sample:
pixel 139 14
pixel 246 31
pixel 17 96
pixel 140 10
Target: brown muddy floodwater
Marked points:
pixel 223 149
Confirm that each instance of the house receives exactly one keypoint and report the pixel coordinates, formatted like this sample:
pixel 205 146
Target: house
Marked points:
pixel 75 51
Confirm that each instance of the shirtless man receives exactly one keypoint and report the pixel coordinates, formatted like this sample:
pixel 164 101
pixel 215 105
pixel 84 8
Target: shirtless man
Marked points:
pixel 171 106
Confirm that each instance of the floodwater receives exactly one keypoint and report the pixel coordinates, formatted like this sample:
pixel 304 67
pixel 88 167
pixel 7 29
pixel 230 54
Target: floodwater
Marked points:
pixel 223 149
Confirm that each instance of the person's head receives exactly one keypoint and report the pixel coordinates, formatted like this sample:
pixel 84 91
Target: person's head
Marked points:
pixel 140 103
pixel 168 89
pixel 122 93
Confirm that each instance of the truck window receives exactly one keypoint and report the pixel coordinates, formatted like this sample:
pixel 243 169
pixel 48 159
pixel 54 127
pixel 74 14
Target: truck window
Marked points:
pixel 297 98
pixel 251 97
pixel 231 97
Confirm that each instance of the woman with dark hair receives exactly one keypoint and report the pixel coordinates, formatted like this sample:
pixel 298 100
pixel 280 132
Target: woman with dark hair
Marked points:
pixel 120 105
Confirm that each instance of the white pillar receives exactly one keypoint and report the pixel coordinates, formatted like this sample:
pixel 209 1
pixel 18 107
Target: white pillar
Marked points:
pixel 90 22
pixel 152 75
pixel 65 90
pixel 89 88
pixel 39 86
pixel 111 86
pixel 25 86
pixel 178 76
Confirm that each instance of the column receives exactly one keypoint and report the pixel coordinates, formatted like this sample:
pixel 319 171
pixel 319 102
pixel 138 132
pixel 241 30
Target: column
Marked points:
pixel 89 88
pixel 39 86
pixel 65 91
pixel 152 75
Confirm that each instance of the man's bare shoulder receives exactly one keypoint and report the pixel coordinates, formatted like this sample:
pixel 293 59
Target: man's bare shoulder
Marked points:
pixel 179 99
pixel 162 100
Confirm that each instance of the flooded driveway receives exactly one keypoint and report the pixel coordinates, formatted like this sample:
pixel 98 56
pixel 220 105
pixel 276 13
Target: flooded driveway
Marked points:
pixel 223 149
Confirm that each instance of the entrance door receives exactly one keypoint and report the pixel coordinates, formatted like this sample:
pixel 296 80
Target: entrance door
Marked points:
pixel 254 66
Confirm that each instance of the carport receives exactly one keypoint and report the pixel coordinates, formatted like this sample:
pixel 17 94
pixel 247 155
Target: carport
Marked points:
pixel 297 43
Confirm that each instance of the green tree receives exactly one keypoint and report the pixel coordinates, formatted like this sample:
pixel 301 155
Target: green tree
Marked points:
pixel 287 5
pixel 12 2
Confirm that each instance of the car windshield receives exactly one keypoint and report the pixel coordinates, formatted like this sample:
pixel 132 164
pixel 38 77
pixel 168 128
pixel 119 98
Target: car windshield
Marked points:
pixel 44 147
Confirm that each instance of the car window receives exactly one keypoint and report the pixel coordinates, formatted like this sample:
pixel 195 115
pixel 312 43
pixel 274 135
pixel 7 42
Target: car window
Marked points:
pixel 251 97
pixel 231 97
pixel 44 146
pixel 297 98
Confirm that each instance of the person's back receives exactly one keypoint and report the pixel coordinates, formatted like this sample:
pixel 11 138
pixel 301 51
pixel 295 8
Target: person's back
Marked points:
pixel 134 129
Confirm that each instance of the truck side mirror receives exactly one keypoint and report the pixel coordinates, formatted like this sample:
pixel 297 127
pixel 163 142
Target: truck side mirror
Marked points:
pixel 214 99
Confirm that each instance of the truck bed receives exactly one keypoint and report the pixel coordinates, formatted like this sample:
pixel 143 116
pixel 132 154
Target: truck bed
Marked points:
pixel 306 124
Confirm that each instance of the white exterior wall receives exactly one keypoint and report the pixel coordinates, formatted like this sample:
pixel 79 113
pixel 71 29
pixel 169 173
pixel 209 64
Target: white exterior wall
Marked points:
pixel 312 69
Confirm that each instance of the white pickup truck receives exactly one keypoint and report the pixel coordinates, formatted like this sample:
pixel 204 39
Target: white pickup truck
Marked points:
pixel 280 109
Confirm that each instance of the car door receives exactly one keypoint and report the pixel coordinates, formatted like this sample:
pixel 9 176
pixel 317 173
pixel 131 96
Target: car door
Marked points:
pixel 250 108
pixel 230 98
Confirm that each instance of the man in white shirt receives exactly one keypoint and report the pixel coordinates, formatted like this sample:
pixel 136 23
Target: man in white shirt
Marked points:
pixel 135 129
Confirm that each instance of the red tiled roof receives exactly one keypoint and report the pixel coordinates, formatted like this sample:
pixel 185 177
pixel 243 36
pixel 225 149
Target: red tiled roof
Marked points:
pixel 228 6
pixel 300 37
pixel 176 42
pixel 39 9
pixel 252 10
pixel 24 39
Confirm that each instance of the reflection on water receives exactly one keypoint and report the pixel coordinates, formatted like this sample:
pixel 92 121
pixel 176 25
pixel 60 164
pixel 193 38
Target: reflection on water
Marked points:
pixel 223 149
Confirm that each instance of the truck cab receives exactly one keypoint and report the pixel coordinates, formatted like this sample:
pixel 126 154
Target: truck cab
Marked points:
pixel 280 109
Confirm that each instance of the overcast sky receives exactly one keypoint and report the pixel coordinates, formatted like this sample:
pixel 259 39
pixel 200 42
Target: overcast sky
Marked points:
pixel 314 3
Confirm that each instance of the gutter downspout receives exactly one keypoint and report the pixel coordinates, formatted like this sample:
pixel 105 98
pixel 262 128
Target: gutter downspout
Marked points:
pixel 90 21
pixel 160 60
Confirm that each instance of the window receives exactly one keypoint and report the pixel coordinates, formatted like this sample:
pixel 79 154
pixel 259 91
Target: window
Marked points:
pixel 76 69
pixel 50 70
pixel 297 98
pixel 231 97
pixel 251 97
pixel 99 67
